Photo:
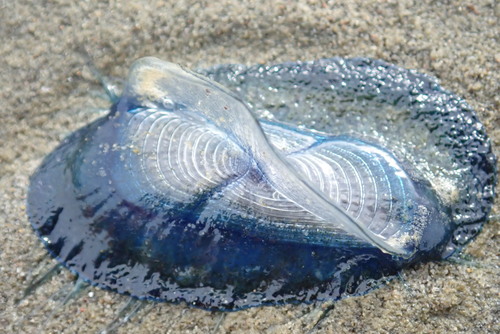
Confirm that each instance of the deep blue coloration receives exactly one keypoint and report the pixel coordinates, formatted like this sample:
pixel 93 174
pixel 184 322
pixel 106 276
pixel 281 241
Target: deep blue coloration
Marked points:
pixel 356 169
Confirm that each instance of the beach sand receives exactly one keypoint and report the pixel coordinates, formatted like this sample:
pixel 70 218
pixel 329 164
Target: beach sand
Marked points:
pixel 47 92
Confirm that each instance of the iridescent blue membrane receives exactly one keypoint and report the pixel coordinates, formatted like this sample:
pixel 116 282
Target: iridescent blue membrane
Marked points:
pixel 355 169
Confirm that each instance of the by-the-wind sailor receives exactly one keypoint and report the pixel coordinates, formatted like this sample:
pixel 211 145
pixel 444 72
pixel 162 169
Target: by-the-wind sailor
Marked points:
pixel 181 194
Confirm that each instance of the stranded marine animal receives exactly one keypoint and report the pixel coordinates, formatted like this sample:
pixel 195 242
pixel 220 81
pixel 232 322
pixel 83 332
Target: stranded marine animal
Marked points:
pixel 287 183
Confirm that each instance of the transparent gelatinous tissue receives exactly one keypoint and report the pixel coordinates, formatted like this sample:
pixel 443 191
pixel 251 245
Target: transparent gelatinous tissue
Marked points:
pixel 244 186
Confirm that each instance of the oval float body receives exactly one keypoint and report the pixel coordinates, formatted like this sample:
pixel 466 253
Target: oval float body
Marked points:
pixel 287 183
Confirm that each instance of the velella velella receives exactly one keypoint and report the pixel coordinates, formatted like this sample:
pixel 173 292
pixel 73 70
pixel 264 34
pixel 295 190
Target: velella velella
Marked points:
pixel 243 186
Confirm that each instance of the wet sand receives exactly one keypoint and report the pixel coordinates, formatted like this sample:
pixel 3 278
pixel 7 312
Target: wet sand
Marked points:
pixel 48 92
